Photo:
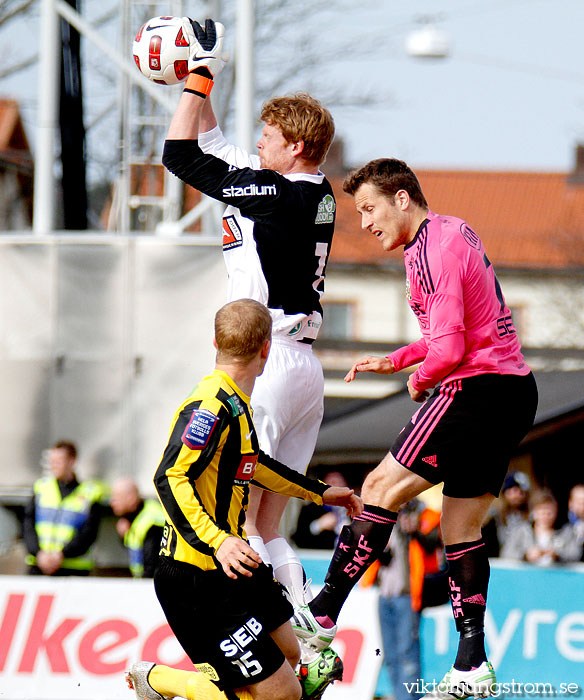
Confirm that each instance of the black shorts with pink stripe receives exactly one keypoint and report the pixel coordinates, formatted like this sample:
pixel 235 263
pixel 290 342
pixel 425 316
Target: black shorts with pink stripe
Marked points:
pixel 467 431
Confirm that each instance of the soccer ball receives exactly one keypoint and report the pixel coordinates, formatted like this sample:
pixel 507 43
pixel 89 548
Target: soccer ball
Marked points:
pixel 161 50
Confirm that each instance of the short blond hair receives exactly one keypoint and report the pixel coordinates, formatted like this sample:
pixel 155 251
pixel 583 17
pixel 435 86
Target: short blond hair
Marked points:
pixel 241 329
pixel 301 117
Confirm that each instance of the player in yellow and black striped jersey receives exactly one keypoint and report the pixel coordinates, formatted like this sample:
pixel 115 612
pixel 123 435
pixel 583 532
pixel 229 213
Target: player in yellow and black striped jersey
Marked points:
pixel 221 601
pixel 211 458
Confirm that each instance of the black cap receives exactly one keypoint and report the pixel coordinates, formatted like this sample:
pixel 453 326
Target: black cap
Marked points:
pixel 516 479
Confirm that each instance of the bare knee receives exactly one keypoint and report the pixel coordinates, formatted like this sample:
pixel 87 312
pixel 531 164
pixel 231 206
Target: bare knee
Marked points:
pixel 259 527
pixel 265 513
pixel 455 532
pixel 288 644
pixel 255 497
pixel 292 691
pixel 293 656
pixel 463 518
pixel 390 485
pixel 268 533
pixel 376 486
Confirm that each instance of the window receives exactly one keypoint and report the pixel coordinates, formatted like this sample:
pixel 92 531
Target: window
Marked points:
pixel 338 320
pixel 517 315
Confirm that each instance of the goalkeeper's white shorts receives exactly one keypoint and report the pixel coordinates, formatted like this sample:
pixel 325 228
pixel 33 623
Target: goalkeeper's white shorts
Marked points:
pixel 287 401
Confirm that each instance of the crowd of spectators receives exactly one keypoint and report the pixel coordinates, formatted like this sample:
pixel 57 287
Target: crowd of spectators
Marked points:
pixel 527 524
pixel 62 519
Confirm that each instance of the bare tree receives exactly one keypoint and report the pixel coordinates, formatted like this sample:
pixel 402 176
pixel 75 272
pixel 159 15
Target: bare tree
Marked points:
pixel 9 9
pixel 297 46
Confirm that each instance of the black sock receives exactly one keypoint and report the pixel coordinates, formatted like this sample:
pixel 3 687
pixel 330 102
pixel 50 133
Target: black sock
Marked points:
pixel 359 545
pixel 468 578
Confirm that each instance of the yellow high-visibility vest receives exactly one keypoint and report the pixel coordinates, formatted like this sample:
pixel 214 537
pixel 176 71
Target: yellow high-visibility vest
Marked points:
pixel 57 519
pixel 150 515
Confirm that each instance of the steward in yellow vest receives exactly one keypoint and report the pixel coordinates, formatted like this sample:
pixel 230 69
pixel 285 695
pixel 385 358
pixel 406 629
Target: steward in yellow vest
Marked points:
pixel 140 526
pixel 61 522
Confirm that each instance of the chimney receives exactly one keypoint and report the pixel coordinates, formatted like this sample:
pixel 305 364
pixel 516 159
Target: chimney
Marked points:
pixel 334 165
pixel 576 177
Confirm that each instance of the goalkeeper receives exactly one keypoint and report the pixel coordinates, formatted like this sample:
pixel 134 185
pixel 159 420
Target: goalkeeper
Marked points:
pixel 277 233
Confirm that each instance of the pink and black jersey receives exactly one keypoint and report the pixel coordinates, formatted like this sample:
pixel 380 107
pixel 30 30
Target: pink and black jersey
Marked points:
pixel 452 289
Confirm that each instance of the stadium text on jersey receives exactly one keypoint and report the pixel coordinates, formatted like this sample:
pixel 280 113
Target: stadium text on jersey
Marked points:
pixel 250 190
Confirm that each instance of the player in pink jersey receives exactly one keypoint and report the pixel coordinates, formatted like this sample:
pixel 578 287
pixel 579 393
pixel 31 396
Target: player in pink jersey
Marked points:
pixel 483 403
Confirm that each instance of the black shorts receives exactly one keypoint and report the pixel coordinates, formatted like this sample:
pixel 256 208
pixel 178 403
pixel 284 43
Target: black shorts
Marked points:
pixel 224 624
pixel 467 431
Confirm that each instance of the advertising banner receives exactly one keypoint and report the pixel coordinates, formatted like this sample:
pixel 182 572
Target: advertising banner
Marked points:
pixel 534 630
pixel 73 639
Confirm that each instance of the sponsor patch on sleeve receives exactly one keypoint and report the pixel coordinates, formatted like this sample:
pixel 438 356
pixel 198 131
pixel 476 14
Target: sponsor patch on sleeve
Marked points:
pixel 198 431
pixel 235 404
pixel 246 470
pixel 326 210
pixel 232 236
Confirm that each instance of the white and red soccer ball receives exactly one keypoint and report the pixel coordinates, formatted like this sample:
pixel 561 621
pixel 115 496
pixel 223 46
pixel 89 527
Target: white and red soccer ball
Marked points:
pixel 161 50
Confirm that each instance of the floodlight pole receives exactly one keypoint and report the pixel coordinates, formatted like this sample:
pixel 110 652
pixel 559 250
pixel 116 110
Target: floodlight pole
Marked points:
pixel 47 121
pixel 244 74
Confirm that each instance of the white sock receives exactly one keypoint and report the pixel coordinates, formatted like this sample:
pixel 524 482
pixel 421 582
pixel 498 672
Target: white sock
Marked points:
pixel 257 543
pixel 288 569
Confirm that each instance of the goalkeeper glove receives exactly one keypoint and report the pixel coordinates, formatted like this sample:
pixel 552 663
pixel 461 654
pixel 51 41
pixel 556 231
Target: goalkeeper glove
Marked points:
pixel 205 46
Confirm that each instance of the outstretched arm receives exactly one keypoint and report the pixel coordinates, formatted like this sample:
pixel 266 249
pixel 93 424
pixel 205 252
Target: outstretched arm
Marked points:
pixel 205 62
pixel 369 363
pixel 394 362
pixel 343 496
pixel 409 355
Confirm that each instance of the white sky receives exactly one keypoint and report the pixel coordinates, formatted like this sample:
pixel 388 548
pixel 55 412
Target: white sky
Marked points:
pixel 510 96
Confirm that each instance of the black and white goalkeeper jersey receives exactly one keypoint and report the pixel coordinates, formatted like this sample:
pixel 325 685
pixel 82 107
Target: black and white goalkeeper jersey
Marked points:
pixel 277 230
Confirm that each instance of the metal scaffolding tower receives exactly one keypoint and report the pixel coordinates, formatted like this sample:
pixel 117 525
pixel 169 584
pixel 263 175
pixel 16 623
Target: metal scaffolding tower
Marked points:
pixel 146 196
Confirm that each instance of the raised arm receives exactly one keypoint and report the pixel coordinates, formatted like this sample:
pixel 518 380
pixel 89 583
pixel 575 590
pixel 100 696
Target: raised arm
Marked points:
pixel 205 62
pixel 207 119
pixel 186 119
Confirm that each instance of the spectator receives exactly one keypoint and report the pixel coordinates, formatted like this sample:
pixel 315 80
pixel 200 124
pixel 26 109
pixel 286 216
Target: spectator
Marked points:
pixel 539 541
pixel 512 511
pixel 140 525
pixel 574 528
pixel 61 521
pixel 414 551
pixel 319 526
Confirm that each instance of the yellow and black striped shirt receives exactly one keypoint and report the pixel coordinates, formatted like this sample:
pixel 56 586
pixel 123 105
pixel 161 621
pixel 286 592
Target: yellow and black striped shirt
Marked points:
pixel 203 478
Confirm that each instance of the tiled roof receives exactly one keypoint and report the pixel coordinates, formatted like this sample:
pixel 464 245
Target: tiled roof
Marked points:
pixel 526 220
